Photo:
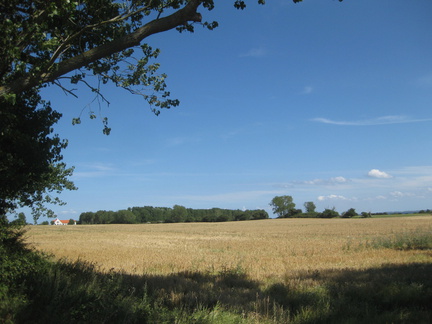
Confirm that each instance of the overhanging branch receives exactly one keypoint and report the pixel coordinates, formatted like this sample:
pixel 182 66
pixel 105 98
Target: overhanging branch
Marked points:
pixel 180 17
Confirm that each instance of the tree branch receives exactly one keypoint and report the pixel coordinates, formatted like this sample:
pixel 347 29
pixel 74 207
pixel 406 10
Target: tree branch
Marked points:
pixel 180 17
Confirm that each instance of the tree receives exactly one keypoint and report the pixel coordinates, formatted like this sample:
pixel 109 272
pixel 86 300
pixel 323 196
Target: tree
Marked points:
pixel 328 213
pixel 365 214
pixel 178 214
pixel 21 219
pixel 282 206
pixel 309 207
pixel 124 217
pixel 48 42
pixel 260 214
pixel 31 167
pixel 294 212
pixel 349 213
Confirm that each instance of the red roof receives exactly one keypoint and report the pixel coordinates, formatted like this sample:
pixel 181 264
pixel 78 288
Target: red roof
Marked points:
pixel 63 221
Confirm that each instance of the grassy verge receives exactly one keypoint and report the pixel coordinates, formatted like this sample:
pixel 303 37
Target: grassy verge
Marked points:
pixel 36 289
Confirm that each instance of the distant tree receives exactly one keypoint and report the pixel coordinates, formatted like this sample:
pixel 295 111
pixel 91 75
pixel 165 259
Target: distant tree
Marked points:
pixel 282 206
pixel 178 214
pixel 222 218
pixel 45 223
pixel 260 214
pixel 87 218
pixel 349 213
pixel 71 221
pixel 240 215
pixel 365 214
pixel 328 213
pixel 294 212
pixel 309 207
pixel 124 217
pixel 20 220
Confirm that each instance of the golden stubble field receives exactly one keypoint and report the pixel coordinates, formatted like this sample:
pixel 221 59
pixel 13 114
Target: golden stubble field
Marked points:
pixel 264 249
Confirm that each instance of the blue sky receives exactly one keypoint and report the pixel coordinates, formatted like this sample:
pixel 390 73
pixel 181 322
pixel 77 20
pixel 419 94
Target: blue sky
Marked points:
pixel 325 101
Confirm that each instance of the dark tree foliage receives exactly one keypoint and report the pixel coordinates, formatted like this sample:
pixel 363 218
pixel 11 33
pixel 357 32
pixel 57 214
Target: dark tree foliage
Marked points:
pixel 177 214
pixel 328 213
pixel 31 164
pixel 349 213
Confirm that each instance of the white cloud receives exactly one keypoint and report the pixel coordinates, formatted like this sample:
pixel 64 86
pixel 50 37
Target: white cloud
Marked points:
pixel 323 182
pixel 339 180
pixel 375 173
pixel 399 194
pixel 384 120
pixel 332 197
pixel 67 212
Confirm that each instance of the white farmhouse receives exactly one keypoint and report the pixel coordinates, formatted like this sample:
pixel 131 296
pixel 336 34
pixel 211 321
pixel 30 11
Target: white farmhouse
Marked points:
pixel 62 222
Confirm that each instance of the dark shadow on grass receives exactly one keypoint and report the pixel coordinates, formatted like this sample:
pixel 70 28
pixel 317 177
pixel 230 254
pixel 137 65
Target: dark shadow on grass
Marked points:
pixel 77 293
pixel 388 294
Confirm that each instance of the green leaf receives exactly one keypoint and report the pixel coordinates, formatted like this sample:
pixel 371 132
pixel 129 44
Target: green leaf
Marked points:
pixel 76 121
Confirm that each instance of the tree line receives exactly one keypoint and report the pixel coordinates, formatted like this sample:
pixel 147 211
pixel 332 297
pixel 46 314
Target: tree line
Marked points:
pixel 176 214
pixel 284 207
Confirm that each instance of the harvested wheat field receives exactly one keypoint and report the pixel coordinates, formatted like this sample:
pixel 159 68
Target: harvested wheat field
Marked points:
pixel 264 249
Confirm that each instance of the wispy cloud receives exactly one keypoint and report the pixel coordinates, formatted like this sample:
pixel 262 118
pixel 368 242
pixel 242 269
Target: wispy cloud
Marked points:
pixel 90 170
pixel 256 52
pixel 333 197
pixel 315 182
pixel 399 194
pixel 384 120
pixel 375 173
pixel 68 212
pixel 325 182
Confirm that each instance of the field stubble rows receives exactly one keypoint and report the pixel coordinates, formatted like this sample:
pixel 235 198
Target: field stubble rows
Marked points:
pixel 265 249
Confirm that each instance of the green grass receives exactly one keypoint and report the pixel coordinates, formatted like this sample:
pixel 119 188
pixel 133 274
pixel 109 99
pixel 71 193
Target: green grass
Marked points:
pixel 419 239
pixel 36 289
